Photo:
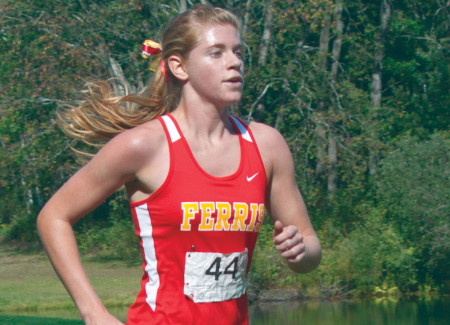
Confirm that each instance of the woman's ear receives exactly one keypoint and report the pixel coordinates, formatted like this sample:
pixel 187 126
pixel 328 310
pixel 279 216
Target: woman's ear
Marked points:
pixel 177 67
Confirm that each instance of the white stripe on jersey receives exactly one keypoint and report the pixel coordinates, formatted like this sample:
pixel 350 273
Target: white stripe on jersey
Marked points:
pixel 174 135
pixel 146 229
pixel 242 129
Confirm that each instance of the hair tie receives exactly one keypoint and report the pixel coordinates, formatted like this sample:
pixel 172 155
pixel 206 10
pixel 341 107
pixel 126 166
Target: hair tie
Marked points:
pixel 152 48
pixel 162 66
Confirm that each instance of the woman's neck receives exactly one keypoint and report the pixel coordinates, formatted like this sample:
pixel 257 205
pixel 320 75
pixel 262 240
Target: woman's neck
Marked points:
pixel 203 121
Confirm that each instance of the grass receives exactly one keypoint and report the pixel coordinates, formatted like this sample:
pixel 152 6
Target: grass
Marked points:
pixel 29 286
pixel 25 320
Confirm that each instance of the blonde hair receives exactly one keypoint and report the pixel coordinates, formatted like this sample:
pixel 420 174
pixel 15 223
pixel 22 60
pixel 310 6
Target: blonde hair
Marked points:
pixel 103 114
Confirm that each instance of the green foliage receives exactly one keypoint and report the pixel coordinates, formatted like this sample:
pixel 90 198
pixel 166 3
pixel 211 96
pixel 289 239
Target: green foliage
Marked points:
pixel 266 264
pixel 112 237
pixel 373 255
pixel 413 187
pixel 113 242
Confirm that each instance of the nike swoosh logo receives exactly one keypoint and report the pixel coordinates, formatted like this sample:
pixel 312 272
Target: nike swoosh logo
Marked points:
pixel 249 179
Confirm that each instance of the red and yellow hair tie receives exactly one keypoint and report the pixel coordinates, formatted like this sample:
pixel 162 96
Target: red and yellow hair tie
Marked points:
pixel 151 48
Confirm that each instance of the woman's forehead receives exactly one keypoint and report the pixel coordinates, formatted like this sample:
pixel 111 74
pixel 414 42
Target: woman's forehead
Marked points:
pixel 223 34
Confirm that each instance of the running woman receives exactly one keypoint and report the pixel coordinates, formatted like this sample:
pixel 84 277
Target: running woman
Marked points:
pixel 199 182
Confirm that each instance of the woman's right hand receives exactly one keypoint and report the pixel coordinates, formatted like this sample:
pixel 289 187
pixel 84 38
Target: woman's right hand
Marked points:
pixel 102 319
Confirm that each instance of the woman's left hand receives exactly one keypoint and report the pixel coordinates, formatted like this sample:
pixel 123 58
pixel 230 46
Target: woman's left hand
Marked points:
pixel 289 242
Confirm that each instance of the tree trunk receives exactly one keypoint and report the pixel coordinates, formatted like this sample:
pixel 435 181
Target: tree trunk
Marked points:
pixel 321 136
pixel 321 141
pixel 376 86
pixel 25 187
pixel 332 160
pixel 324 44
pixel 332 141
pixel 246 18
pixel 267 35
pixel 28 194
pixel 337 44
pixel 124 86
pixel 385 14
pixel 182 5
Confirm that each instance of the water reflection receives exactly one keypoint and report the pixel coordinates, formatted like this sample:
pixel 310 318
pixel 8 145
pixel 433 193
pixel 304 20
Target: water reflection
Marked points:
pixel 351 313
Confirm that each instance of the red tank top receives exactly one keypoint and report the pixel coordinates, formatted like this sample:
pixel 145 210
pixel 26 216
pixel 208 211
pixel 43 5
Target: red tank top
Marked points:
pixel 197 234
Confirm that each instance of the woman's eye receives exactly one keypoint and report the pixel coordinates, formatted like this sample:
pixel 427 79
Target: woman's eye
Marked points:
pixel 238 54
pixel 216 54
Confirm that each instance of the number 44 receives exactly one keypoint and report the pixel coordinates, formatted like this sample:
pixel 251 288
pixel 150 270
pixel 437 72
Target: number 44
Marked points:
pixel 214 268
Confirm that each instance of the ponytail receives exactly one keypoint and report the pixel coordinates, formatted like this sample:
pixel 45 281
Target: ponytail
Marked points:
pixel 101 114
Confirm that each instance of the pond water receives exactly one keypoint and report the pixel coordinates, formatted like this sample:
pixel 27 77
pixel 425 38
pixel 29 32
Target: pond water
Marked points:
pixel 421 312
pixel 431 312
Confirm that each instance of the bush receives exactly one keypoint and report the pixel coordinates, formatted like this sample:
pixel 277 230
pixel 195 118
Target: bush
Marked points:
pixel 114 242
pixel 413 186
pixel 371 256
pixel 112 237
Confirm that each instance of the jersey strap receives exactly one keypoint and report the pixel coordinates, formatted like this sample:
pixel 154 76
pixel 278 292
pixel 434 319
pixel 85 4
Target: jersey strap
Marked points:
pixel 244 132
pixel 171 128
pixel 175 135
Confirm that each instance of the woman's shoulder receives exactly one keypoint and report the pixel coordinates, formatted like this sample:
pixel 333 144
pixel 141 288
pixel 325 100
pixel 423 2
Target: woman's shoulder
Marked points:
pixel 265 135
pixel 271 144
pixel 148 133
pixel 141 141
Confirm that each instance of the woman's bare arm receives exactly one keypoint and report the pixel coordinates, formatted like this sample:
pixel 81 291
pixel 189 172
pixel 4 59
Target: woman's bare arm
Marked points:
pixel 115 164
pixel 294 236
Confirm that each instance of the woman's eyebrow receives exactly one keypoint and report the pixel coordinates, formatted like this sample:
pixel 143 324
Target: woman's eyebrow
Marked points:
pixel 238 46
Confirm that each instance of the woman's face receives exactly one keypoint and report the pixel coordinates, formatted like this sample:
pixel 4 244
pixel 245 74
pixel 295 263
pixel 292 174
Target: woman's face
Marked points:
pixel 215 66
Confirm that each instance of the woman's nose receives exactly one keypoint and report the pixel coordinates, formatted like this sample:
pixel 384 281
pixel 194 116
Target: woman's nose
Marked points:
pixel 235 61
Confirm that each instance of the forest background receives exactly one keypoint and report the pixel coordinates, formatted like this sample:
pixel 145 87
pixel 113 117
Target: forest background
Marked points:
pixel 358 88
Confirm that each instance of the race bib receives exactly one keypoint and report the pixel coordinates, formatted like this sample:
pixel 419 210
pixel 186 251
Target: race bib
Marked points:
pixel 210 277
